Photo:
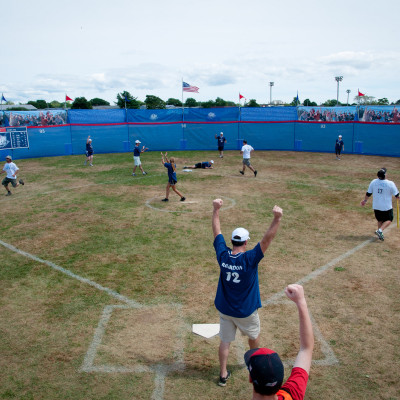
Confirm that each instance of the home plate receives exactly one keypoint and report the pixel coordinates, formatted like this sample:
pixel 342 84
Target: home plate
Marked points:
pixel 187 170
pixel 190 202
pixel 206 330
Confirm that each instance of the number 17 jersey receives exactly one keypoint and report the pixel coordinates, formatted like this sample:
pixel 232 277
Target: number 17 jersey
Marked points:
pixel 238 292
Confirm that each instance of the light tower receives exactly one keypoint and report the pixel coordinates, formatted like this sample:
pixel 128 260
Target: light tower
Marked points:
pixel 348 92
pixel 338 79
pixel 270 92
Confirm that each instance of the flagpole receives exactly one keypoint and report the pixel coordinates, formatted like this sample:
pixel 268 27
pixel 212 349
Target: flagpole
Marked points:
pixel 65 101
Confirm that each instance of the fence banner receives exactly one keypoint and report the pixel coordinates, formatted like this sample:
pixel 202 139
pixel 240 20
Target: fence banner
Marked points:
pixel 35 118
pixel 327 114
pixel 272 114
pixel 154 116
pixel 385 114
pixel 211 115
pixel 90 117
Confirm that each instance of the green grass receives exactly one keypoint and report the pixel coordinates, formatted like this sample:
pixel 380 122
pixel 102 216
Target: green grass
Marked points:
pixel 95 223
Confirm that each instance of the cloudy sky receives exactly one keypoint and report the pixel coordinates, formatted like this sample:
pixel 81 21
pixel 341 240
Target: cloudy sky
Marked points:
pixel 98 48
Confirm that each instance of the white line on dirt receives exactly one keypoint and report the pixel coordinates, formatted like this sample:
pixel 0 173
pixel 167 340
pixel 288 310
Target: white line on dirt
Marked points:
pixel 322 269
pixel 56 267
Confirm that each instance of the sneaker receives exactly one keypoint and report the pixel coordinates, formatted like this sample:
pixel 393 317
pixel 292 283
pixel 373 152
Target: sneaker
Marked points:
pixel 165 199
pixel 338 158
pixel 185 167
pixel 241 172
pixel 133 174
pixel 255 173
pixel 222 381
pixel 183 198
pixel 91 165
pixel 8 194
pixel 21 182
pixel 380 235
pixel 144 173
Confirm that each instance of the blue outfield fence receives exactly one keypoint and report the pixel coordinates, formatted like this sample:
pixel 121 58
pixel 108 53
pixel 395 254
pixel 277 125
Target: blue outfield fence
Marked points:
pixel 371 130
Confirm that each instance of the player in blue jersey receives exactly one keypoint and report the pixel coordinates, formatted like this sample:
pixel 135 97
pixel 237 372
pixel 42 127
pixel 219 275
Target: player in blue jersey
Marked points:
pixel 172 179
pixel 339 147
pixel 89 152
pixel 203 165
pixel 221 142
pixel 136 157
pixel 238 293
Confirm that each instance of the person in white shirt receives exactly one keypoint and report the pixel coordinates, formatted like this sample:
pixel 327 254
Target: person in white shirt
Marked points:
pixel 246 150
pixel 11 170
pixel 382 191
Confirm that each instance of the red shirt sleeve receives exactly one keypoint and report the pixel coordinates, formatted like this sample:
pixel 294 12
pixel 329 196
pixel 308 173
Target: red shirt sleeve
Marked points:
pixel 296 384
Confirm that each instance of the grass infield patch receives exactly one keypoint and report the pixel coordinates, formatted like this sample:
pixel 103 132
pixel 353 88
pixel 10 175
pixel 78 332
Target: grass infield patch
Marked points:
pixel 97 223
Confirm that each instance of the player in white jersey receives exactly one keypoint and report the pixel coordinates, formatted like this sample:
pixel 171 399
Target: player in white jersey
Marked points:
pixel 382 191
pixel 11 170
pixel 246 150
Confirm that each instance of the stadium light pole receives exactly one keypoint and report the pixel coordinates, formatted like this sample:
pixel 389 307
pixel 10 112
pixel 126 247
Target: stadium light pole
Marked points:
pixel 338 79
pixel 270 92
pixel 348 92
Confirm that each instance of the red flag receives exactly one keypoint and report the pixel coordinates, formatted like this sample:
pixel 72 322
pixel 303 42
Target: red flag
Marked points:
pixel 241 97
pixel 360 94
pixel 68 98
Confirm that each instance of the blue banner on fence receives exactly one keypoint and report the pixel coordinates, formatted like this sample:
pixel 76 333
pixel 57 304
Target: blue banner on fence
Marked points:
pixel 273 114
pixel 154 116
pixel 113 116
pixel 211 115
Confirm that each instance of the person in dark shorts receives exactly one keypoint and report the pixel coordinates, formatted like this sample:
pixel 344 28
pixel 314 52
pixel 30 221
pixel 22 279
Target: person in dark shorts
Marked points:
pixel 11 170
pixel 382 191
pixel 339 147
pixel 172 179
pixel 89 152
pixel 221 142
pixel 203 165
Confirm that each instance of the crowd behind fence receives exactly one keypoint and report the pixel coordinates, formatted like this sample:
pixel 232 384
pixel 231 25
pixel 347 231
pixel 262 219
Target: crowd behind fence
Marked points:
pixel 371 130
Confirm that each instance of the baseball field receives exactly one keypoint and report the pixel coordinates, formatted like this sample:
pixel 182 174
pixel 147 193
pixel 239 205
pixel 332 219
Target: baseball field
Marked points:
pixel 101 282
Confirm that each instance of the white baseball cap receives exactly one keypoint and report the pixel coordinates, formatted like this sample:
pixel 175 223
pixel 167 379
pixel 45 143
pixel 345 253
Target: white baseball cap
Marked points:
pixel 240 235
pixel 212 161
pixel 8 157
pixel 138 141
pixel 222 133
pixel 340 135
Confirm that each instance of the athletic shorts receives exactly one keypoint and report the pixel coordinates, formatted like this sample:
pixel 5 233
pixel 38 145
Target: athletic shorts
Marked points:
pixel 88 153
pixel 136 161
pixel 221 148
pixel 246 161
pixel 198 165
pixel 6 181
pixel 172 181
pixel 249 326
pixel 383 216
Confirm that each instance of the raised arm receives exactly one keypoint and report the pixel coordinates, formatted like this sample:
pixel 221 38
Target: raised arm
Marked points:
pixel 272 230
pixel 303 360
pixel 87 140
pixel 216 225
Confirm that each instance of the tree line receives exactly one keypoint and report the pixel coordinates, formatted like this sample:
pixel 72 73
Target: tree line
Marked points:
pixel 127 100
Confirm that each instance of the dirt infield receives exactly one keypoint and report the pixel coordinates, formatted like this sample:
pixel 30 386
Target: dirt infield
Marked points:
pixel 101 281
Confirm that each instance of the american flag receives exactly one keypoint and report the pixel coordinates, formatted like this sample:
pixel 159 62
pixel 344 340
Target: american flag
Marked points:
pixel 188 88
